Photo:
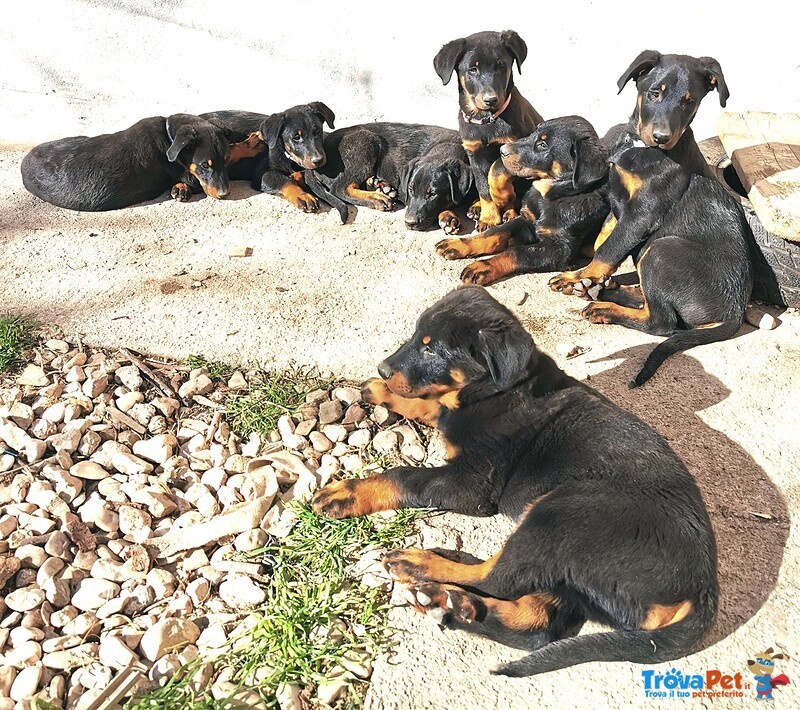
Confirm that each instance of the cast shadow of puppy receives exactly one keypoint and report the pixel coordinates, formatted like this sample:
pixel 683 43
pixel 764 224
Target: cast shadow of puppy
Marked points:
pixel 734 487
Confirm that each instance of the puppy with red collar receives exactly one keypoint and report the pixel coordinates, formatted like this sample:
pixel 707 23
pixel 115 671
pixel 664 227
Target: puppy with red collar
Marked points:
pixel 492 112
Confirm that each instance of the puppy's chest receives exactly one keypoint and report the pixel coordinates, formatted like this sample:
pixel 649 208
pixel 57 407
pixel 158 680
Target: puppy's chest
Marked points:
pixel 475 136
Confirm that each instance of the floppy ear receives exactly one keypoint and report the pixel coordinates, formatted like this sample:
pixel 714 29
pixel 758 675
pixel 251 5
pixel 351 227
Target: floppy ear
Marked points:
pixel 463 182
pixel 643 63
pixel 226 131
pixel 782 656
pixel 271 128
pixel 516 45
pixel 507 352
pixel 405 178
pixel 445 61
pixel 184 137
pixel 323 112
pixel 589 160
pixel 715 79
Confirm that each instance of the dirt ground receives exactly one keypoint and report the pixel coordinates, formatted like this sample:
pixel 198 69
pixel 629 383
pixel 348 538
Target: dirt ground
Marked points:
pixel 158 278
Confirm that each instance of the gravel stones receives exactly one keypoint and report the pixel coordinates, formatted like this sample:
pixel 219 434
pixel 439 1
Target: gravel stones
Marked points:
pixel 134 508
pixel 167 635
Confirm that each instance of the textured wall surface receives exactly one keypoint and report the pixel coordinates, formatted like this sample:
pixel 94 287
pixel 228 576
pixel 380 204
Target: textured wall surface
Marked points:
pixel 69 67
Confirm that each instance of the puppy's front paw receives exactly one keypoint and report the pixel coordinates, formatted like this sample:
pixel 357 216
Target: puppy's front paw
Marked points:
pixel 181 192
pixel 375 391
pixel 481 273
pixel 449 222
pixel 305 202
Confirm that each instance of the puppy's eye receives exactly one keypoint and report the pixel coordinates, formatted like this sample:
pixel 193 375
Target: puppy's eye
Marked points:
pixel 653 94
pixel 473 70
pixel 297 138
pixel 429 192
pixel 541 145
pixel 426 352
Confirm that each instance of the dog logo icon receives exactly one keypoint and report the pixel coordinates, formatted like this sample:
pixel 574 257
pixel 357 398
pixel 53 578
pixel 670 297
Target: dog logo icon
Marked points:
pixel 763 668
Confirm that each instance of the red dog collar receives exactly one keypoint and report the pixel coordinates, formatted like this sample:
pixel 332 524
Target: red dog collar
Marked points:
pixel 488 119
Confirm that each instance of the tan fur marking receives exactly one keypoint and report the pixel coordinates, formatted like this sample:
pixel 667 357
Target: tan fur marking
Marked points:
pixel 660 615
pixel 472 145
pixel 605 231
pixel 631 182
pixel 526 613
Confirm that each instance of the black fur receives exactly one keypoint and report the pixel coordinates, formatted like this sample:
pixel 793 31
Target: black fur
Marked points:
pixel 691 244
pixel 483 64
pixel 116 170
pixel 662 116
pixel 293 143
pixel 425 165
pixel 610 521
pixel 560 216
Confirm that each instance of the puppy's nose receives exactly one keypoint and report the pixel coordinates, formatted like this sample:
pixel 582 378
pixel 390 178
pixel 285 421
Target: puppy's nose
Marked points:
pixel 661 138
pixel 490 99
pixel 412 222
pixel 318 160
pixel 384 370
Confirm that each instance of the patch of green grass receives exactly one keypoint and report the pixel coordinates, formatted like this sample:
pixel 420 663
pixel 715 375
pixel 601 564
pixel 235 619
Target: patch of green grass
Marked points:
pixel 270 396
pixel 16 334
pixel 309 592
pixel 216 370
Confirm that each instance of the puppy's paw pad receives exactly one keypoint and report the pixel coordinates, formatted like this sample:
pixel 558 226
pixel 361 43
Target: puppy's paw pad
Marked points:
pixel 446 604
pixel 181 192
pixel 449 223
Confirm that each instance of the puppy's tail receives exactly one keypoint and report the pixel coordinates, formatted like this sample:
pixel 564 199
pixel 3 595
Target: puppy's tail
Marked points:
pixel 664 644
pixel 683 340
pixel 323 193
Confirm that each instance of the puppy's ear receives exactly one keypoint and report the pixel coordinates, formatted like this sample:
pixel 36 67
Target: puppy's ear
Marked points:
pixel 230 135
pixel 590 162
pixel 715 79
pixel 461 180
pixel 516 45
pixel 271 128
pixel 405 178
pixel 184 137
pixel 507 351
pixel 323 112
pixel 643 63
pixel 445 61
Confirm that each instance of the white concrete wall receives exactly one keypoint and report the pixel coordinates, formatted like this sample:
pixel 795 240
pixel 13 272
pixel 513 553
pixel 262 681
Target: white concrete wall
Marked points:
pixel 69 67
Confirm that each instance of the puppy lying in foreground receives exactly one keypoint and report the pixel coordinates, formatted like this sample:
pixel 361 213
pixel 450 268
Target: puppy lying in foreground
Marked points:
pixel 612 527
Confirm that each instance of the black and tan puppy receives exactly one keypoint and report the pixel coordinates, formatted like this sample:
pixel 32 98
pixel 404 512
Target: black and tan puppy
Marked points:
pixel 492 112
pixel 371 164
pixel 691 244
pixel 183 153
pixel 612 527
pixel 562 213
pixel 293 142
pixel 670 88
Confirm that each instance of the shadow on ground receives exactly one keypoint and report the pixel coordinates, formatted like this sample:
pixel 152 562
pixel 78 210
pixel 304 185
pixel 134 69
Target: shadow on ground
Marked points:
pixel 736 490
